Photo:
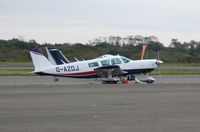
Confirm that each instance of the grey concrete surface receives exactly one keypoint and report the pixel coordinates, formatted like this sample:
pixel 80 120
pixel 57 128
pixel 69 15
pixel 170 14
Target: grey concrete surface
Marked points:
pixel 40 80
pixel 77 106
pixel 46 80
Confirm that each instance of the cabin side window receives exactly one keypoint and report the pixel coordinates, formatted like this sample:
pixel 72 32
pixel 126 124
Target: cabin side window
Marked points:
pixel 125 60
pixel 93 64
pixel 105 62
pixel 116 61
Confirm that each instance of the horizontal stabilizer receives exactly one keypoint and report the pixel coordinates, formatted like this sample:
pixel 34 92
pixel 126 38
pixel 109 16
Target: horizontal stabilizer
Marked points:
pixel 56 57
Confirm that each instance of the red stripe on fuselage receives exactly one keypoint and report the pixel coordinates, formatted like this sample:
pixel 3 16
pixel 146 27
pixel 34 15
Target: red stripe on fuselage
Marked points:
pixel 80 73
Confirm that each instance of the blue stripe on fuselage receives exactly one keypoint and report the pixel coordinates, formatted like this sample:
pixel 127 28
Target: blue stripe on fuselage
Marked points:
pixel 138 71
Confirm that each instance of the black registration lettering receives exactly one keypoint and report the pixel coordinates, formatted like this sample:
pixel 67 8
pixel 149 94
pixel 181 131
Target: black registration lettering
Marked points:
pixel 77 68
pixel 57 69
pixel 68 68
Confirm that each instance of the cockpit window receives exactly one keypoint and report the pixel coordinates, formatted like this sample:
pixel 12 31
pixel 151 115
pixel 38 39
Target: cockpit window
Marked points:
pixel 93 64
pixel 105 62
pixel 116 61
pixel 125 60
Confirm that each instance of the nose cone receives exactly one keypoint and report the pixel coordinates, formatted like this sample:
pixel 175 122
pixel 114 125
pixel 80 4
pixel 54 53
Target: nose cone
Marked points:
pixel 158 62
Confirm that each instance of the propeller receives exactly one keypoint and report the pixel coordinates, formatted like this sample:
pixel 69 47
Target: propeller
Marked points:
pixel 158 62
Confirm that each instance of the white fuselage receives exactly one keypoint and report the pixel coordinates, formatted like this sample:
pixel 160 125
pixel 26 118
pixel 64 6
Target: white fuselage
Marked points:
pixel 86 68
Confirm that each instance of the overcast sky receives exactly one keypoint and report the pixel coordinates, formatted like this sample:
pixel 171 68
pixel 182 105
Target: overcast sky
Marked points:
pixel 59 21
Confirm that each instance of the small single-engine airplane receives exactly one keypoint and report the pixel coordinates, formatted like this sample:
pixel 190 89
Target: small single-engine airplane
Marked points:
pixel 111 67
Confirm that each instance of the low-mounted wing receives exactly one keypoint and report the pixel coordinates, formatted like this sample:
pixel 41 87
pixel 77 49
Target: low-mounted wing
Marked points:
pixel 108 71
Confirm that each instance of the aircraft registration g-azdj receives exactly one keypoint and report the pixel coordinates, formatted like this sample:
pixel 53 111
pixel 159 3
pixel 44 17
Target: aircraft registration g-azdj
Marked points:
pixel 110 67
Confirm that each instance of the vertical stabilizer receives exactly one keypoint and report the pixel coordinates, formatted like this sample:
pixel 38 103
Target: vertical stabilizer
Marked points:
pixel 39 61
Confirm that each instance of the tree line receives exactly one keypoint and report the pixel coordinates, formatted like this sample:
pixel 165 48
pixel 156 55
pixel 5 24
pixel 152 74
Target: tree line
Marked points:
pixel 15 50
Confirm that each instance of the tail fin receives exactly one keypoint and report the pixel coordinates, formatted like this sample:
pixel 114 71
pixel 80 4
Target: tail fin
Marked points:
pixel 56 57
pixel 39 60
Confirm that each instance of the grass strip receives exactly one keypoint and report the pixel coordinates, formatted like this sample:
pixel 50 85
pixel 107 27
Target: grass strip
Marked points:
pixel 176 72
pixel 16 72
